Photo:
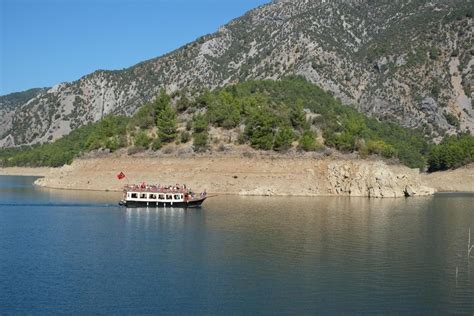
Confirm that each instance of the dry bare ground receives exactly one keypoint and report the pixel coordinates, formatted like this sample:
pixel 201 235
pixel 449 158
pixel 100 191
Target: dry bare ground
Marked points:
pixel 229 175
pixel 253 176
pixel 459 180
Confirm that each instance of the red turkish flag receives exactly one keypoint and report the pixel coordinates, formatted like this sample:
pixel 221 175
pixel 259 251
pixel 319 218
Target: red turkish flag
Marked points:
pixel 121 175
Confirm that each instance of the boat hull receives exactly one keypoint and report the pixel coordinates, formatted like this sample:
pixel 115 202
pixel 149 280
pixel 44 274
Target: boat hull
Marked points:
pixel 188 204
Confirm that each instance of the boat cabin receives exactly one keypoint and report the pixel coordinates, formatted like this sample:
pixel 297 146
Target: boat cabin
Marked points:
pixel 156 197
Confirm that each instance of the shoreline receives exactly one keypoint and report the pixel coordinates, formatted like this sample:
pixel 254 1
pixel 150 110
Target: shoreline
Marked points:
pixel 25 171
pixel 254 176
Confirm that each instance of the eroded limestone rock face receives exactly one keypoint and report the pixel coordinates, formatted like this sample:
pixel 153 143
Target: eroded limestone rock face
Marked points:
pixel 375 180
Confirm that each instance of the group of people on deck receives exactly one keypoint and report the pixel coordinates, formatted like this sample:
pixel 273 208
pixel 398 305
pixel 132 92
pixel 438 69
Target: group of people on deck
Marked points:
pixel 143 187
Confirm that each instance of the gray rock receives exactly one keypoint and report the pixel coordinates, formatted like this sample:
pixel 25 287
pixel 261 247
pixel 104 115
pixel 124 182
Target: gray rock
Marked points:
pixel 374 180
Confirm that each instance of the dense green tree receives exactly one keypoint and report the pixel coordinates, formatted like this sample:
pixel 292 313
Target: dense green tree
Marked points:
pixel 283 138
pixel 307 141
pixel 260 129
pixel 224 110
pixel 144 118
pixel 142 140
pixel 200 141
pixel 93 142
pixel 113 143
pixel 204 99
pixel 200 132
pixel 200 123
pixel 345 141
pixel 379 147
pixel 297 115
pixel 166 118
pixel 163 101
pixel 452 152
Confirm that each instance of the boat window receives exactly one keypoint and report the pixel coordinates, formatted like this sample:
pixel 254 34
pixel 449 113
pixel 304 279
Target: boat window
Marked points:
pixel 134 196
pixel 176 197
pixel 152 196
pixel 169 197
pixel 161 196
pixel 143 196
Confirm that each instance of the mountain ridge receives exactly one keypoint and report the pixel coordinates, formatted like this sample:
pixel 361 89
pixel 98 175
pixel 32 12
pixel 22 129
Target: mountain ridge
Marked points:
pixel 420 77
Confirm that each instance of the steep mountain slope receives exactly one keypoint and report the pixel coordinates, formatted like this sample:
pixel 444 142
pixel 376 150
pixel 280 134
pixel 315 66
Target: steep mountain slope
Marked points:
pixel 9 106
pixel 406 61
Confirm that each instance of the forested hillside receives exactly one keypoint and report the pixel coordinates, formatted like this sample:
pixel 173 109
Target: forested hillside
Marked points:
pixel 290 114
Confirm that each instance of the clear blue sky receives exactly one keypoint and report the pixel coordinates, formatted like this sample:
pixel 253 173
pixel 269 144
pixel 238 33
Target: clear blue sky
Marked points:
pixel 45 42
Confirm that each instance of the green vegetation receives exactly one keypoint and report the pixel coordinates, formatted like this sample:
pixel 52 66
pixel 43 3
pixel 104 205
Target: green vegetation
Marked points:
pixel 185 137
pixel 107 133
pixel 452 152
pixel 141 140
pixel 166 119
pixel 452 119
pixel 269 106
pixel 283 138
pixel 224 110
pixel 200 135
pixel 308 141
pixel 379 147
pixel 156 144
pixel 144 118
pixel 276 115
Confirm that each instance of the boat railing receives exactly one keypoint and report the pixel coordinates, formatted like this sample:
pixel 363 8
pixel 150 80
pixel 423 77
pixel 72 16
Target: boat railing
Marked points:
pixel 154 189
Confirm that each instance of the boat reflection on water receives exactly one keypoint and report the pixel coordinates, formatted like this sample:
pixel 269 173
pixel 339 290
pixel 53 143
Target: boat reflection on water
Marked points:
pixel 165 212
pixel 169 218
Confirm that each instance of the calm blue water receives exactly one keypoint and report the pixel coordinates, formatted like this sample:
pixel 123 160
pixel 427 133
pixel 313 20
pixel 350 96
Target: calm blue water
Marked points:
pixel 76 252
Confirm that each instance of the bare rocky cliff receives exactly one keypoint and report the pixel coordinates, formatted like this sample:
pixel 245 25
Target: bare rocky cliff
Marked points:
pixel 405 61
pixel 375 180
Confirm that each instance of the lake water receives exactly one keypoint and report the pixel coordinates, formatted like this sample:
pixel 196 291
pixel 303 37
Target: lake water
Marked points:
pixel 77 252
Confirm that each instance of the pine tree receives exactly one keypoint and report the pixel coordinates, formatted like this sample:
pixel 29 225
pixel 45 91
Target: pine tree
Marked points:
pixel 283 138
pixel 166 119
pixel 308 141
pixel 297 115
pixel 200 135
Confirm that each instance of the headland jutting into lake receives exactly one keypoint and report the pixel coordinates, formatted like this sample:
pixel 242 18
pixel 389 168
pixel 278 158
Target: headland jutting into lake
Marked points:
pixel 256 175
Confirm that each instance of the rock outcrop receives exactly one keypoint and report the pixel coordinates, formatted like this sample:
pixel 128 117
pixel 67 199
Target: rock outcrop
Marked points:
pixel 374 180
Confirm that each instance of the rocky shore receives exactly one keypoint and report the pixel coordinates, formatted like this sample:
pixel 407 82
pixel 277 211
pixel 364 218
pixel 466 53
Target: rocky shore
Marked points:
pixel 255 176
